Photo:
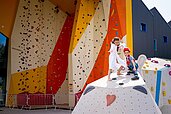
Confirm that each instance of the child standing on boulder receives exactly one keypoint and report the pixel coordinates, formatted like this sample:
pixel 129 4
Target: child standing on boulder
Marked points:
pixel 131 64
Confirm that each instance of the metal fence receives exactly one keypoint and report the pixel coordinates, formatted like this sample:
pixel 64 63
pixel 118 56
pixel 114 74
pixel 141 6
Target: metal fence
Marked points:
pixel 28 100
pixel 31 101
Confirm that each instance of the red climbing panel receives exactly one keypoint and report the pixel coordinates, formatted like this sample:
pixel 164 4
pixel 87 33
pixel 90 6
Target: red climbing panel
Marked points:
pixel 57 66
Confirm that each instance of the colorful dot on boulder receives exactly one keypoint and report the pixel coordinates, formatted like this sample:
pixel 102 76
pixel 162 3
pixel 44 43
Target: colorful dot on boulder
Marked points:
pixel 170 73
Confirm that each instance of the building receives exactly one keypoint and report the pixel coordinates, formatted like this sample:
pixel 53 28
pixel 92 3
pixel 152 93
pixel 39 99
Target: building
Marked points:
pixel 142 29
pixel 169 23
pixel 151 33
pixel 162 36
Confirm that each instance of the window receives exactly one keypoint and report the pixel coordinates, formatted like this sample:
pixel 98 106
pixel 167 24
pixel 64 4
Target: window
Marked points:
pixel 165 39
pixel 143 27
pixel 155 45
pixel 3 66
pixel 3 50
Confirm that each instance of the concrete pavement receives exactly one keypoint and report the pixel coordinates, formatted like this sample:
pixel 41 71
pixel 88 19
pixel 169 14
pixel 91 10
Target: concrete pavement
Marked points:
pixel 37 111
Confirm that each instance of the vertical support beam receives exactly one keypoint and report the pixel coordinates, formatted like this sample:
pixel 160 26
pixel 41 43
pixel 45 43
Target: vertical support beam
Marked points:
pixel 129 25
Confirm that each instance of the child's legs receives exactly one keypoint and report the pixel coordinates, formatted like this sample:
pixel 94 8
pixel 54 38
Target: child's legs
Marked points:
pixel 120 68
pixel 131 67
pixel 136 66
pixel 109 73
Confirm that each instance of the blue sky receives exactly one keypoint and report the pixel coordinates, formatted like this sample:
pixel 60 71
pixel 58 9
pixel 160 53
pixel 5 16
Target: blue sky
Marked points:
pixel 2 39
pixel 163 6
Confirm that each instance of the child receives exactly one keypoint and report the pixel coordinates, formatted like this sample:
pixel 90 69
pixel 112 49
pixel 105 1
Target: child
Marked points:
pixel 115 62
pixel 131 64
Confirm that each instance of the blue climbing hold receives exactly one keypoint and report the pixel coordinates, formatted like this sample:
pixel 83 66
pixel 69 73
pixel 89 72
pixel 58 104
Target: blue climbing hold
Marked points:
pixel 141 89
pixel 88 89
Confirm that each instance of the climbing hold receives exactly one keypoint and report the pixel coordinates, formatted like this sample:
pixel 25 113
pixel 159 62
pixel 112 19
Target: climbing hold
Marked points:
pixel 170 73
pixel 114 78
pixel 88 89
pixel 110 99
pixel 154 61
pixel 169 101
pixel 167 65
pixel 141 89
pixel 121 83
pixel 149 58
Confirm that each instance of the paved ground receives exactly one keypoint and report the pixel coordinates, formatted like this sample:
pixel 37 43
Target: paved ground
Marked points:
pixel 40 111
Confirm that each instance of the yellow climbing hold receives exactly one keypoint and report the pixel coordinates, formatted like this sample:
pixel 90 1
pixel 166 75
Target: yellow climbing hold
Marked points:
pixel 164 93
pixel 146 71
pixel 169 101
pixel 152 89
pixel 163 83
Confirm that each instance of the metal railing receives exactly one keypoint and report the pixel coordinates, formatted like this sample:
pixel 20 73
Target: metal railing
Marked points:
pixel 31 101
pixel 28 100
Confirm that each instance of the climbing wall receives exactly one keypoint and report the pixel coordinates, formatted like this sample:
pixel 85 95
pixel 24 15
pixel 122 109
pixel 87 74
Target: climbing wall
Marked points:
pixel 100 67
pixel 150 71
pixel 43 35
pixel 157 75
pixel 86 51
pixel 62 95
pixel 120 96
pixel 166 90
pixel 40 43
pixel 56 72
pixel 57 75
pixel 36 33
pixel 97 24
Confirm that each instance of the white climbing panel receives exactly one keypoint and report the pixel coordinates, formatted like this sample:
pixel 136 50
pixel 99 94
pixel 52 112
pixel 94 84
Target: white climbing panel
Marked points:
pixel 119 96
pixel 157 75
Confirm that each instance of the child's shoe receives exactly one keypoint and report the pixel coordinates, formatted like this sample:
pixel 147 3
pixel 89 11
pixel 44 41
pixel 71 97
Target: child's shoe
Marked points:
pixel 135 78
pixel 129 72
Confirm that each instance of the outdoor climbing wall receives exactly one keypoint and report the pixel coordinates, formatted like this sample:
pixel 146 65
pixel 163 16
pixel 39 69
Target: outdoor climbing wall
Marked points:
pixel 157 75
pixel 100 67
pixel 121 96
pixel 35 33
pixel 97 24
pixel 58 63
pixel 86 51
pixel 43 35
pixel 62 95
pixel 57 73
pixel 150 70
pixel 166 90
pixel 40 43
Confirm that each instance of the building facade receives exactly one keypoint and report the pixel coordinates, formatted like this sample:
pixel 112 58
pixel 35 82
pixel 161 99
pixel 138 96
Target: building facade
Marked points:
pixel 162 36
pixel 151 33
